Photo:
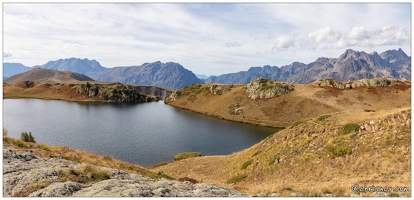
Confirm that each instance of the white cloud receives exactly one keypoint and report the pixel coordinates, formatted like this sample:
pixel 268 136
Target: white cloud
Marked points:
pixel 360 37
pixel 357 33
pixel 284 42
pixel 324 35
pixel 357 36
pixel 202 36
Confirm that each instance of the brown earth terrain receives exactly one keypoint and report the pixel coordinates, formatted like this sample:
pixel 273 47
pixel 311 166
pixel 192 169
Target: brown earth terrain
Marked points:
pixel 336 136
pixel 317 157
pixel 232 102
pixel 82 91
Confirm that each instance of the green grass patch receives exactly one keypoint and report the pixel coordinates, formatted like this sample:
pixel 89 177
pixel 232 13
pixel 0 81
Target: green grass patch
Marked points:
pixel 323 117
pixel 349 128
pixel 158 165
pixel 273 160
pixel 108 157
pixel 86 174
pixel 297 123
pixel 338 147
pixel 158 175
pixel 246 164
pixel 236 179
pixel 186 155
pixel 20 144
pixel 341 150
pixel 44 147
pixel 257 153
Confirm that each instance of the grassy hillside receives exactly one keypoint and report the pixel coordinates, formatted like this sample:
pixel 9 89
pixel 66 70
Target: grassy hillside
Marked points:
pixel 305 102
pixel 48 76
pixel 324 156
pixel 78 91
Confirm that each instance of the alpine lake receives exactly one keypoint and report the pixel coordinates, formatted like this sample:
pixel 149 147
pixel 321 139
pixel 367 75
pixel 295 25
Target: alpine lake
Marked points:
pixel 140 133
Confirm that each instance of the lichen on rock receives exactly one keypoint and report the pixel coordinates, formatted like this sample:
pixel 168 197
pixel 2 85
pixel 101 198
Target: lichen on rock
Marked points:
pixel 264 88
pixel 23 171
pixel 367 82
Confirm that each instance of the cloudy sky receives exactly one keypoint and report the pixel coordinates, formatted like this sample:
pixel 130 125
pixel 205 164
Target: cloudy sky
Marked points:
pixel 209 39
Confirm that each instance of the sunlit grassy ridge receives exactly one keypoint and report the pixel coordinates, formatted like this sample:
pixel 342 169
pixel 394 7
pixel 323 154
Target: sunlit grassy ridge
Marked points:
pixel 315 158
pixel 305 102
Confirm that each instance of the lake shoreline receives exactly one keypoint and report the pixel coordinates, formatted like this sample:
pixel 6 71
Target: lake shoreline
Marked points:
pixel 218 116
pixel 139 129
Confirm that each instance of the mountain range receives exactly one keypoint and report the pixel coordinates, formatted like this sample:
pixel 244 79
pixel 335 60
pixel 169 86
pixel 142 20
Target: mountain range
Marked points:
pixel 167 75
pixel 351 65
pixel 83 66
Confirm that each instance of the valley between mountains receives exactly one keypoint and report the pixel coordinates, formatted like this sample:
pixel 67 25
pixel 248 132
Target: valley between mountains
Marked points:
pixel 349 129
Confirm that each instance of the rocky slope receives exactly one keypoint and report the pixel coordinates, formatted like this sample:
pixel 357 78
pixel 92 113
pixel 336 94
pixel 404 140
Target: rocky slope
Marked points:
pixel 48 76
pixel 25 174
pixel 351 65
pixel 117 93
pixel 153 91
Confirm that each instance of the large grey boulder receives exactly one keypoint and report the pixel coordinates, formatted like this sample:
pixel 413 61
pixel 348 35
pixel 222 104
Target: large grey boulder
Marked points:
pixel 22 171
pixel 264 88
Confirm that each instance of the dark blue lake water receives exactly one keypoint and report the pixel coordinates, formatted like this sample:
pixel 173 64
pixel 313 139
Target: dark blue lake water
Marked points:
pixel 139 133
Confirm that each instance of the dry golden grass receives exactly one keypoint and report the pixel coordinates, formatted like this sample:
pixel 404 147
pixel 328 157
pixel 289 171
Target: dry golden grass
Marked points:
pixel 302 161
pixel 56 91
pixel 305 102
pixel 312 158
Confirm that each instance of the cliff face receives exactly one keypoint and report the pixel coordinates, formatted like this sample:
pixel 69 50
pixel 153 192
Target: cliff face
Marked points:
pixel 118 93
pixel 154 91
pixel 25 174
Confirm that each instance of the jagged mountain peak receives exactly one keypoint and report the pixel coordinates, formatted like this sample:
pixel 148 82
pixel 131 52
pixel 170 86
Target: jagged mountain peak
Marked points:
pixel 394 54
pixel 167 75
pixel 350 65
pixel 321 60
pixel 83 66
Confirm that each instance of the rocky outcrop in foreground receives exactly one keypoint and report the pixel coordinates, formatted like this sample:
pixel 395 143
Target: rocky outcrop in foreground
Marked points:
pixel 25 174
